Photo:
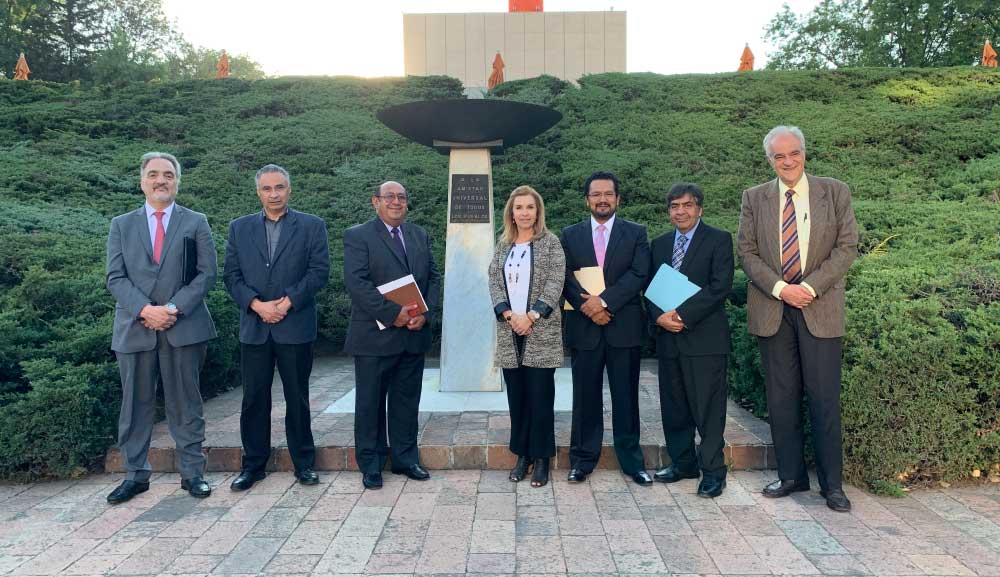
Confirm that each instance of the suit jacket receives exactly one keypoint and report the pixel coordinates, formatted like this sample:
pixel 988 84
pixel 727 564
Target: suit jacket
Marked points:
pixel 833 246
pixel 135 280
pixel 543 347
pixel 626 271
pixel 300 268
pixel 707 263
pixel 372 259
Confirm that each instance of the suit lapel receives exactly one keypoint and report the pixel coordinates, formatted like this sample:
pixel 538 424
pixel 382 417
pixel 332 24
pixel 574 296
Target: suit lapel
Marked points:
pixel 692 248
pixel 819 208
pixel 383 233
pixel 771 240
pixel 258 236
pixel 288 229
pixel 143 226
pixel 412 247
pixel 175 224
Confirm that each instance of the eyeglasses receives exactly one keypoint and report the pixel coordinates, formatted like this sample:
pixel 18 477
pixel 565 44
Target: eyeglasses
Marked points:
pixel 391 197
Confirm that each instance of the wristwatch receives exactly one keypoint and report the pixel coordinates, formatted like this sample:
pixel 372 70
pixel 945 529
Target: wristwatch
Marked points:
pixel 171 307
pixel 535 315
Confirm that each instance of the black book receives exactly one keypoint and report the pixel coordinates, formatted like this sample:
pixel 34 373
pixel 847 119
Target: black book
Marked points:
pixel 190 259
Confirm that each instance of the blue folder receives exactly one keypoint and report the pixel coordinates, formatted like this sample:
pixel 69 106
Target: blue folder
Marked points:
pixel 670 288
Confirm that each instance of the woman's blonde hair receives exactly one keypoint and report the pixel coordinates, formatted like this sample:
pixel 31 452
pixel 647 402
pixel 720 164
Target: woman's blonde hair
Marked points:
pixel 510 227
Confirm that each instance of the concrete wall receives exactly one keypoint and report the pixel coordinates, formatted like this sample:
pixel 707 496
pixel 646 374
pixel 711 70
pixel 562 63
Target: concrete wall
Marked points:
pixel 566 45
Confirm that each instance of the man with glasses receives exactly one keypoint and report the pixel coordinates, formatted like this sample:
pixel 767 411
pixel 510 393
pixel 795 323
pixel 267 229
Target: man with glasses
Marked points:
pixel 276 261
pixel 388 340
pixel 604 331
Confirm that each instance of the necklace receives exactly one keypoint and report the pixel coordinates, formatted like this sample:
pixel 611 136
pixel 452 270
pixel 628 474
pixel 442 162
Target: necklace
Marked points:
pixel 514 272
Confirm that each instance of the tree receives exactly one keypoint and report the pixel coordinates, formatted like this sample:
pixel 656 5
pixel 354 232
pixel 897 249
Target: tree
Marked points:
pixel 839 33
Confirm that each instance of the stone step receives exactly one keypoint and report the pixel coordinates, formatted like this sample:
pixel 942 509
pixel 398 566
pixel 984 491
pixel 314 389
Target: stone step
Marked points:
pixel 472 437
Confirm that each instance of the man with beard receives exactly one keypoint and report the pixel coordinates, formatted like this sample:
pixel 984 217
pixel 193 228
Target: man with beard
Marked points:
pixel 161 325
pixel 604 331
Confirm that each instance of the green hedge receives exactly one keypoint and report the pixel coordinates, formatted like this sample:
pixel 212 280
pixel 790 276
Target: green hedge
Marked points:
pixel 920 149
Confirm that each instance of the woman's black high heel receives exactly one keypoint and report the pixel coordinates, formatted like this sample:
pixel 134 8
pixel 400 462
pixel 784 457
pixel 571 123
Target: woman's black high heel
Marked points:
pixel 540 477
pixel 520 469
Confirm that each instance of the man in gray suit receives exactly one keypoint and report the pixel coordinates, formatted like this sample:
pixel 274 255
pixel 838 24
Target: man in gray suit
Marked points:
pixel 388 341
pixel 797 239
pixel 161 324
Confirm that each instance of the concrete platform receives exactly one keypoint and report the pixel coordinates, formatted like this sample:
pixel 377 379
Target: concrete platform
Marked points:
pixel 455 433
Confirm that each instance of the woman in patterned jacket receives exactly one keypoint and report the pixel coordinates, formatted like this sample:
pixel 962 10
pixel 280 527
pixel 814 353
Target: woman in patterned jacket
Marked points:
pixel 526 280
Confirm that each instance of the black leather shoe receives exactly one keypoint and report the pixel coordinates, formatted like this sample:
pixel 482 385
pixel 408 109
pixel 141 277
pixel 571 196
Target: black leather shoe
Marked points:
pixel 672 474
pixel 126 491
pixel 196 487
pixel 710 487
pixel 836 500
pixel 540 477
pixel 415 472
pixel 520 469
pixel 246 479
pixel 576 476
pixel 784 488
pixel 307 477
pixel 642 478
pixel 372 480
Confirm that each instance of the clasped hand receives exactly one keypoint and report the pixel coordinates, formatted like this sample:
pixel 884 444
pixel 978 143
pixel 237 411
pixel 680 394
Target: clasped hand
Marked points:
pixel 594 310
pixel 796 295
pixel 670 321
pixel 271 312
pixel 413 323
pixel 521 324
pixel 158 318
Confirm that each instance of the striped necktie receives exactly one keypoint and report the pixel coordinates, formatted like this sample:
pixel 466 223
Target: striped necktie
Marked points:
pixel 679 251
pixel 791 266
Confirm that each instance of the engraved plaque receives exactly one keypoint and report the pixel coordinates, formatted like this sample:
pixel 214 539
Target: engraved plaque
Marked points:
pixel 470 198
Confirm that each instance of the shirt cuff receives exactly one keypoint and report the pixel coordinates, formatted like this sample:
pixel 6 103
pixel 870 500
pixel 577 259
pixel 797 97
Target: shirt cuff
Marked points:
pixel 809 288
pixel 778 286
pixel 604 304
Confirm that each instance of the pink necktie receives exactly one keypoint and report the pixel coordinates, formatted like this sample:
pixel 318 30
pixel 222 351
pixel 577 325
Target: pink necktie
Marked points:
pixel 158 239
pixel 600 246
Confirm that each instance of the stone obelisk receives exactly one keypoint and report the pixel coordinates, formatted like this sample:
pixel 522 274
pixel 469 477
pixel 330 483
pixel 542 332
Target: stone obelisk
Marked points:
pixel 469 131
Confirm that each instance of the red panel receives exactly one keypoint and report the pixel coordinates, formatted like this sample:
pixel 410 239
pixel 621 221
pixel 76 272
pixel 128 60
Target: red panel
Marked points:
pixel 525 5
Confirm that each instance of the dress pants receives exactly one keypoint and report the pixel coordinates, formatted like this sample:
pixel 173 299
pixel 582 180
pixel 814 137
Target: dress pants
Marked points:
pixel 179 369
pixel 794 360
pixel 587 434
pixel 693 392
pixel 257 367
pixel 387 396
pixel 531 394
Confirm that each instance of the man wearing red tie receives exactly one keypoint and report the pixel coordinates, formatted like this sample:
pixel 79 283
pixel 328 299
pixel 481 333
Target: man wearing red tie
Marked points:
pixel 797 239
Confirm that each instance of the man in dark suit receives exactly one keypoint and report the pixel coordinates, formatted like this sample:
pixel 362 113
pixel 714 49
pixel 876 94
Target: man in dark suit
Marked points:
pixel 276 262
pixel 388 341
pixel 692 343
pixel 605 330
pixel 797 240
pixel 162 325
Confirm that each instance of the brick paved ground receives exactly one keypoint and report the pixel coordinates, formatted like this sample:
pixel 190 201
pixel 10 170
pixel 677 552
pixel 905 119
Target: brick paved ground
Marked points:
pixel 475 521
pixel 474 439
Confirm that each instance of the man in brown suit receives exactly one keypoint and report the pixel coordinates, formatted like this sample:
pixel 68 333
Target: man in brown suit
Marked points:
pixel 797 239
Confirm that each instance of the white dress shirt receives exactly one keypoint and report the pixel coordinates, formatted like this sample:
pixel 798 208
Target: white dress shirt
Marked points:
pixel 151 221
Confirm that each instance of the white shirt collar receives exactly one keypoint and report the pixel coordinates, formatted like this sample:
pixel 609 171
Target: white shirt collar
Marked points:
pixel 169 210
pixel 689 234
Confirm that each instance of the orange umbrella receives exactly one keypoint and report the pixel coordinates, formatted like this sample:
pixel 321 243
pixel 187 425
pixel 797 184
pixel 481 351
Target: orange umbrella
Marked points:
pixel 746 60
pixel 989 56
pixel 222 68
pixel 497 76
pixel 21 70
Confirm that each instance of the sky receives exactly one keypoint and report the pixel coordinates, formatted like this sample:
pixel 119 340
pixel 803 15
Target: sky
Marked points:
pixel 365 37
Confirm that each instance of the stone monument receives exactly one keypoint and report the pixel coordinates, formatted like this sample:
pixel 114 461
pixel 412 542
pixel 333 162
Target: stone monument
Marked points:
pixel 468 131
